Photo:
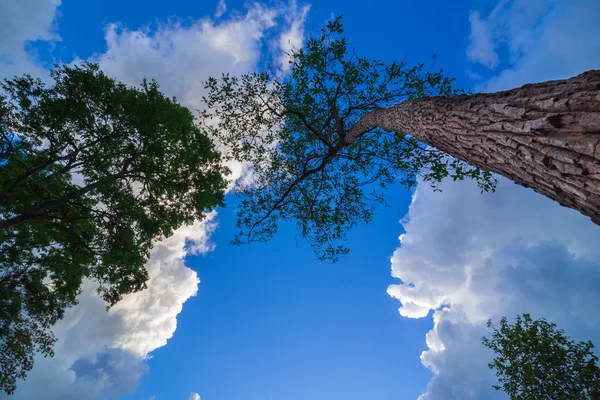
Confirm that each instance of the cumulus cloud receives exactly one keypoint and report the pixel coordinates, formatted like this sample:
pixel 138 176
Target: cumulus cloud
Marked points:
pixel 182 56
pixel 102 355
pixel 194 396
pixel 467 257
pixel 23 22
pixel 117 371
pixel 470 257
pixel 482 48
pixel 461 230
pixel 542 40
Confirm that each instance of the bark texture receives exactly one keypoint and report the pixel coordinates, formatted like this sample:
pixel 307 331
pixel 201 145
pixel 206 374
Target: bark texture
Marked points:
pixel 543 136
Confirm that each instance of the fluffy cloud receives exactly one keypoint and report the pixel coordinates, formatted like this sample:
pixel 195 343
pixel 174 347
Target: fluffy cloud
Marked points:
pixel 221 9
pixel 194 396
pixel 182 56
pixel 22 22
pixel 293 37
pixel 482 48
pixel 540 40
pixel 470 257
pixel 467 257
pixel 102 355
pixel 462 230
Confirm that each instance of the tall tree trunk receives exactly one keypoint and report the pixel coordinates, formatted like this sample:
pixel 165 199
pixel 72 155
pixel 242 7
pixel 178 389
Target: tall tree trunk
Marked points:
pixel 543 136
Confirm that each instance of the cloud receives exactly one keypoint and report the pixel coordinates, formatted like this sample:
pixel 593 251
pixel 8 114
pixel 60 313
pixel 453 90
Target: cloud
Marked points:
pixel 23 22
pixel 462 230
pixel 542 40
pixel 482 48
pixel 117 370
pixel 293 37
pixel 182 56
pixel 102 355
pixel 194 396
pixel 470 257
pixel 221 9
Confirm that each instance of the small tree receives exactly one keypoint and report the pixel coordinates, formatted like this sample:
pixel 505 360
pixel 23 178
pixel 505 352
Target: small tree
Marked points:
pixel 535 360
pixel 91 173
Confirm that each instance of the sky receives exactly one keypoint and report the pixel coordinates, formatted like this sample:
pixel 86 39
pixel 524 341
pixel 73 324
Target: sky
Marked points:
pixel 400 317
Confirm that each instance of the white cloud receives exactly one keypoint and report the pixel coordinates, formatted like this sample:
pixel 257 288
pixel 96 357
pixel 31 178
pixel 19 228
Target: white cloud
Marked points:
pixel 482 48
pixel 461 230
pixel 194 396
pixel 22 22
pixel 181 57
pixel 470 257
pixel 543 40
pixel 221 9
pixel 102 355
pixel 293 37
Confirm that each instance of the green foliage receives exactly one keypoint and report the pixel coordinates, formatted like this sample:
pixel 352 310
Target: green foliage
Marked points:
pixel 292 128
pixel 91 173
pixel 535 360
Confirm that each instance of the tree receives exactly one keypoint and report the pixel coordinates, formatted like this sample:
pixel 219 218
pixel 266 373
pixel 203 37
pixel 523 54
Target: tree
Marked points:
pixel 91 173
pixel 327 137
pixel 535 361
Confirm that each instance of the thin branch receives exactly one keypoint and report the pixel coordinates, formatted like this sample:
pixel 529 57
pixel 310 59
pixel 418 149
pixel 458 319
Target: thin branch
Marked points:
pixel 305 175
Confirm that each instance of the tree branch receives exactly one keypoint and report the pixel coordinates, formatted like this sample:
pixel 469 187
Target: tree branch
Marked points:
pixel 330 155
pixel 36 211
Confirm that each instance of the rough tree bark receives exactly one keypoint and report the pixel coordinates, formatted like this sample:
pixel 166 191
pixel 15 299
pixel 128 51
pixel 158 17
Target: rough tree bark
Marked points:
pixel 543 136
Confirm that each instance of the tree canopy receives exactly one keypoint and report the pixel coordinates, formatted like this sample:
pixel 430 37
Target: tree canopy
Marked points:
pixel 92 171
pixel 535 360
pixel 294 129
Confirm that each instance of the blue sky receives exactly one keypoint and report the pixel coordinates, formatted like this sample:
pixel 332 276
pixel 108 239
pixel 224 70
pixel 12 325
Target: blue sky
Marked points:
pixel 271 322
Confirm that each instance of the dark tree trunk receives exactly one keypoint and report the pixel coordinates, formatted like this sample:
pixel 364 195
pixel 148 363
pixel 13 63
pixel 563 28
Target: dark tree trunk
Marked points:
pixel 544 136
